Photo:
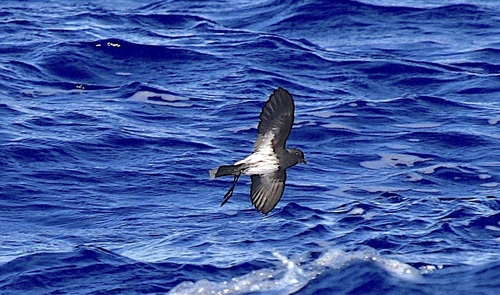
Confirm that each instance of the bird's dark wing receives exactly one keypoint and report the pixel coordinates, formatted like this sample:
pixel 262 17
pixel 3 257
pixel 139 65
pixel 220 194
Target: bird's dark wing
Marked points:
pixel 276 117
pixel 266 190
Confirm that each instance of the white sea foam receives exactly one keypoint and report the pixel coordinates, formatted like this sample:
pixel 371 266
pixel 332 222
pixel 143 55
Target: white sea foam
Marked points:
pixel 484 176
pixel 336 258
pixel 356 211
pixel 160 99
pixel 433 168
pixel 123 74
pixel 490 184
pixel 393 160
pixel 286 279
pixel 339 126
pixel 396 146
pixel 494 121
pixel 414 177
pixel 289 277
pixel 322 114
pixel 362 213
pixel 399 269
pixel 492 227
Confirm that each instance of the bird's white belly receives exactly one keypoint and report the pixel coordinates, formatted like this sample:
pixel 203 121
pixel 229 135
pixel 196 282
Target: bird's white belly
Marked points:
pixel 259 163
pixel 263 160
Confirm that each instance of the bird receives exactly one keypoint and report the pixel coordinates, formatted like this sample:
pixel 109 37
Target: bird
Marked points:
pixel 268 162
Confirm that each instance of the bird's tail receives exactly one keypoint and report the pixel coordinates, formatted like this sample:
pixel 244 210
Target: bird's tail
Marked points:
pixel 224 170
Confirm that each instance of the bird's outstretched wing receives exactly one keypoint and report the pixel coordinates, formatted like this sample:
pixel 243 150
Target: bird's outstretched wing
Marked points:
pixel 266 190
pixel 276 117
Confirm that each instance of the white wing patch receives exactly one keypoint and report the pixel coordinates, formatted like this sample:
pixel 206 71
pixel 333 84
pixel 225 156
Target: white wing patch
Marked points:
pixel 263 160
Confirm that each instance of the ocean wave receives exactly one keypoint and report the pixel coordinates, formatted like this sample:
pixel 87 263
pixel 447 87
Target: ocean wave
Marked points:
pixel 91 266
pixel 171 21
pixel 290 277
pixel 112 114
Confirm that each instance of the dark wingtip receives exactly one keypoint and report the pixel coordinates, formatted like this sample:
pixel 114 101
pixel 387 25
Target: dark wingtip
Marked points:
pixel 264 212
pixel 282 94
pixel 281 89
pixel 263 208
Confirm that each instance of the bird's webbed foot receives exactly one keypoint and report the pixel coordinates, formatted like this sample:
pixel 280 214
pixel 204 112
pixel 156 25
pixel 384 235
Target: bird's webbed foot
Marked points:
pixel 229 193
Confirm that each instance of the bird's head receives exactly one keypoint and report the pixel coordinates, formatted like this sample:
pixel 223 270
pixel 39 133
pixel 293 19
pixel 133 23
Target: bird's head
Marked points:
pixel 298 156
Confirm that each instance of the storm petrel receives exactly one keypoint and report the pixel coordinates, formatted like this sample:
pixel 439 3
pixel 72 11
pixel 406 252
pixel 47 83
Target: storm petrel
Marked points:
pixel 268 163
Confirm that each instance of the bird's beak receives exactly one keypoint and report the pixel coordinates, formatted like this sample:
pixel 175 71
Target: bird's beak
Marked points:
pixel 304 161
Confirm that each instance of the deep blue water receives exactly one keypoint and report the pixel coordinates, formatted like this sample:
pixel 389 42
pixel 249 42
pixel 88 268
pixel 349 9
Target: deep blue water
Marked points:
pixel 112 114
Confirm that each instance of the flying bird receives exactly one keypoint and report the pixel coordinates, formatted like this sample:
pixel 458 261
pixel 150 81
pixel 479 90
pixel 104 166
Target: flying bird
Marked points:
pixel 268 162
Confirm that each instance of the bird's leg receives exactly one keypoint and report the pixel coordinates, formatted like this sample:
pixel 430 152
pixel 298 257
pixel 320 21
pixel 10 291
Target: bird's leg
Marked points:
pixel 229 193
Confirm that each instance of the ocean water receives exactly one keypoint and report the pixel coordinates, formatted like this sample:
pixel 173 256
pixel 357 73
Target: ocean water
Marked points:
pixel 112 113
